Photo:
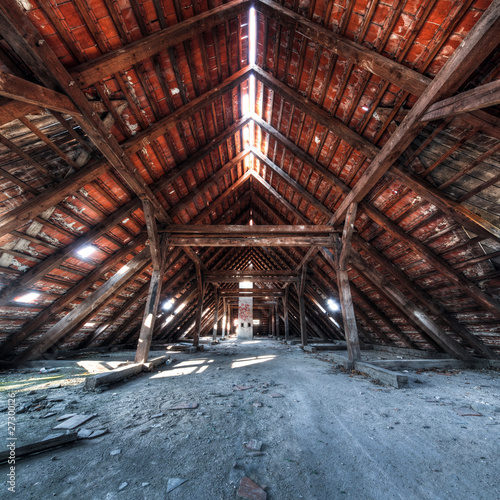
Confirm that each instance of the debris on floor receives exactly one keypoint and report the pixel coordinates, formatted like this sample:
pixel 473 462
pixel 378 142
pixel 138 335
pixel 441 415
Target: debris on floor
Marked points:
pixel 185 406
pixel 75 421
pixel 253 444
pixel 250 490
pixel 174 482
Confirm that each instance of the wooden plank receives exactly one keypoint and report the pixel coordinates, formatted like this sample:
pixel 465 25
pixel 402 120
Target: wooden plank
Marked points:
pixel 462 214
pixel 240 279
pixel 471 100
pixel 19 32
pixel 150 312
pixel 302 306
pixel 426 300
pixel 343 253
pixel 199 308
pixel 157 129
pixel 12 110
pixel 53 334
pixel 40 446
pixel 252 273
pixel 56 307
pixel 124 57
pixel 154 239
pixel 250 241
pixel 245 230
pixel 37 272
pixel 477 45
pixel 25 91
pixel 392 71
pixel 417 315
pixel 335 125
pixel 75 421
pixel 113 376
pixel 216 313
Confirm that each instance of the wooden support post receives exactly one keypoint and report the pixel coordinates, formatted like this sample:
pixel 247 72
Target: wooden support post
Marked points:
pixel 277 320
pixel 199 309
pixel 148 321
pixel 216 312
pixel 285 313
pixel 342 254
pixel 302 305
pixel 224 318
pixel 272 321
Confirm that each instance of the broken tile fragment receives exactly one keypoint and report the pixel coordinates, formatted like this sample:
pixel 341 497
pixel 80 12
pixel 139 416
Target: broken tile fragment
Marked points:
pixel 276 395
pixel 174 482
pixel 241 387
pixel 185 406
pixel 254 445
pixel 250 490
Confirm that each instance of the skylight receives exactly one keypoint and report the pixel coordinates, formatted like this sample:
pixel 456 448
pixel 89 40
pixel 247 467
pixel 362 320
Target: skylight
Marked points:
pixel 333 305
pixel 86 251
pixel 27 298
pixel 252 37
pixel 167 305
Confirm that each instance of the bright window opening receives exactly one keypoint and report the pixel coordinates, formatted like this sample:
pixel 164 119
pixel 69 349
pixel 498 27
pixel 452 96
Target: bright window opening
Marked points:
pixel 333 305
pixel 256 321
pixel 27 298
pixel 252 36
pixel 86 251
pixel 167 305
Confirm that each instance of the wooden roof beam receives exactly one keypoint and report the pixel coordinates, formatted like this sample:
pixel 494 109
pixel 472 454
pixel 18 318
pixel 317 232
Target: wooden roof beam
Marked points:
pixel 488 302
pixel 69 321
pixel 124 57
pixel 392 71
pixel 471 100
pixel 25 91
pixel 336 126
pixel 416 315
pixel 57 306
pixel 477 45
pixel 19 32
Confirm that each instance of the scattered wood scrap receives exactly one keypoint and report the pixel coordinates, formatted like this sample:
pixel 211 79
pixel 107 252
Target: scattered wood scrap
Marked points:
pixel 49 443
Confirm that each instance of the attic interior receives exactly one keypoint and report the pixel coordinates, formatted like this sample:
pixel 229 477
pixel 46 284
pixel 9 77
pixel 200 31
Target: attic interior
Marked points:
pixel 163 161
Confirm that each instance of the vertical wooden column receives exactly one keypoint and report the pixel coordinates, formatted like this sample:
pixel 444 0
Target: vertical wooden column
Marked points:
pixel 148 322
pixel 271 320
pixel 277 320
pixel 199 309
pixel 302 305
pixel 342 252
pixel 285 314
pixel 216 312
pixel 224 318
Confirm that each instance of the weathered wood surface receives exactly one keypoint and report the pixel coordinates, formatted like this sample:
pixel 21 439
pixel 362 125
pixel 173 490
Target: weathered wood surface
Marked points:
pixel 389 70
pixel 124 57
pixel 471 100
pixel 18 89
pixel 40 446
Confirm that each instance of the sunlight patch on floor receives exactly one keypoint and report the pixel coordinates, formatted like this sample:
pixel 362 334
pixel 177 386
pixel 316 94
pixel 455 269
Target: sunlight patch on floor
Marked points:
pixel 240 363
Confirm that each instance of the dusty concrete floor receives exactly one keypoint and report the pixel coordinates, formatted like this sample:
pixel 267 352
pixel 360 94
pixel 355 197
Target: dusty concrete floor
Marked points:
pixel 332 436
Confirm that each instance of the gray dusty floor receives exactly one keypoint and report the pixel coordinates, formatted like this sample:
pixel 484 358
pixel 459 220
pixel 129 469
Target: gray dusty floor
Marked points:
pixel 332 436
